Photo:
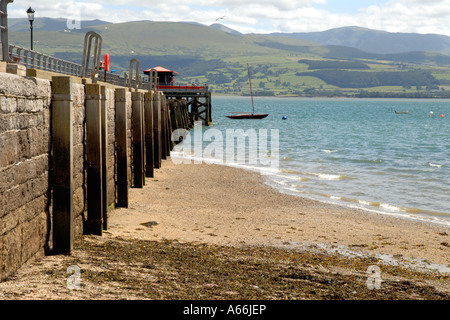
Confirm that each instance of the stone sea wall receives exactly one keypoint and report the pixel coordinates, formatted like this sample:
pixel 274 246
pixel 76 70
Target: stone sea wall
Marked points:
pixel 54 185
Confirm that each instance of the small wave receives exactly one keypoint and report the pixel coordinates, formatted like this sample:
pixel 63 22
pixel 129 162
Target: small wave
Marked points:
pixel 325 176
pixel 329 151
pixel 321 176
pixel 290 171
pixel 349 200
pixel 293 172
pixel 435 165
pixel 289 177
pixel 367 203
pixel 369 206
pixel 367 161
pixel 390 207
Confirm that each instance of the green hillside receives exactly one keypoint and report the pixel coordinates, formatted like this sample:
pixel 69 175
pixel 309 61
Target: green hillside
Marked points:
pixel 279 65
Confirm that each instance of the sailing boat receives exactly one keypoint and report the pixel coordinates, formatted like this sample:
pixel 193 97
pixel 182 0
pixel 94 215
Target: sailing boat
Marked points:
pixel 246 115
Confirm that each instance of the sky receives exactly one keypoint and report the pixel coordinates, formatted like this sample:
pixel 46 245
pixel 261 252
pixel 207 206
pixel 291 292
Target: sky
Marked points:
pixel 257 16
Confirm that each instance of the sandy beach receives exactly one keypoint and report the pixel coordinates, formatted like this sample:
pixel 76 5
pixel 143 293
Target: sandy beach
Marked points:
pixel 228 207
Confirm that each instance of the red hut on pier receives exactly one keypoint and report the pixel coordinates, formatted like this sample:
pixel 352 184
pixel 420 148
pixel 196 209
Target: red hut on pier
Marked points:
pixel 165 76
pixel 165 81
pixel 198 98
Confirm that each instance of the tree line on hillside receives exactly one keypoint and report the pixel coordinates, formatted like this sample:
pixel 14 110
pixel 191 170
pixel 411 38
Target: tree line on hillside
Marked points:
pixel 334 64
pixel 361 79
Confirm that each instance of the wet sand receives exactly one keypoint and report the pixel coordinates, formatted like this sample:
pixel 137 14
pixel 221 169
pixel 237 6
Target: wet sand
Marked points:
pixel 216 232
pixel 221 205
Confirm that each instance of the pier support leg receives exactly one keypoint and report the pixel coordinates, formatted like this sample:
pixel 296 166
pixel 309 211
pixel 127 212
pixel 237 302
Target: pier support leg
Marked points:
pixel 104 136
pixel 62 149
pixel 94 223
pixel 208 109
pixel 122 181
pixel 148 117
pixel 138 141
pixel 163 128
pixel 157 130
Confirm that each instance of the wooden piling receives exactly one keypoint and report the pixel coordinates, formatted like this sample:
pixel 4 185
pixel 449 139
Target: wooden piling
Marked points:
pixel 167 133
pixel 122 181
pixel 182 122
pixel 164 145
pixel 148 131
pixel 104 146
pixel 157 130
pixel 171 104
pixel 208 115
pixel 62 150
pixel 176 114
pixel 94 223
pixel 138 140
pixel 170 129
pixel 188 120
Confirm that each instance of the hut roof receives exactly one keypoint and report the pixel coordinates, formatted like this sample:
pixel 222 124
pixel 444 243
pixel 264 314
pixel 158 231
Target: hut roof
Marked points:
pixel 161 69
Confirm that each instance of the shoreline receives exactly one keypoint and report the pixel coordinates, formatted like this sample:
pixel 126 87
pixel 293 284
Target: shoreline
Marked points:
pixel 197 232
pixel 332 97
pixel 428 218
pixel 236 207
pixel 423 216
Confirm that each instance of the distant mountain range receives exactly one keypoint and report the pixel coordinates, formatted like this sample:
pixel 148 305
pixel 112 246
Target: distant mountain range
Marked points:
pixel 223 28
pixel 367 40
pixel 375 41
pixel 49 24
pixel 218 55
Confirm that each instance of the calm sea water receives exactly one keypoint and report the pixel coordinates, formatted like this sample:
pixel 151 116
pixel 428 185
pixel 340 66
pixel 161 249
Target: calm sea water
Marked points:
pixel 355 152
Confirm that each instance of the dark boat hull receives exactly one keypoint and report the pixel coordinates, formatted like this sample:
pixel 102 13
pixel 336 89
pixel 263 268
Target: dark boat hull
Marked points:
pixel 248 116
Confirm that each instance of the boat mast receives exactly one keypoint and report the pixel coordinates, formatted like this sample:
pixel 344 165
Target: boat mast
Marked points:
pixel 251 91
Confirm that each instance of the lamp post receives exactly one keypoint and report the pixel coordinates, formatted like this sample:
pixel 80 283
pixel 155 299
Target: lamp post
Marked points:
pixel 30 13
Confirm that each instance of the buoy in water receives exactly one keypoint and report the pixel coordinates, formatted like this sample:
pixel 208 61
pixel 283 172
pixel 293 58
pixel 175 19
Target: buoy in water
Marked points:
pixel 442 116
pixel 284 118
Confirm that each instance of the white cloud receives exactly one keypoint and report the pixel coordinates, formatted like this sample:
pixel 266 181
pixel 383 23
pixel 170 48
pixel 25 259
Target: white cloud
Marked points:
pixel 409 16
pixel 257 16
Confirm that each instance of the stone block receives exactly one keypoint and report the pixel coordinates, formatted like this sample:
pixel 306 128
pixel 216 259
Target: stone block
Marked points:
pixel 33 233
pixel 10 254
pixel 10 221
pixel 78 202
pixel 9 148
pixel 3 66
pixel 7 180
pixel 17 69
pixel 24 171
pixel 17 86
pixel 8 104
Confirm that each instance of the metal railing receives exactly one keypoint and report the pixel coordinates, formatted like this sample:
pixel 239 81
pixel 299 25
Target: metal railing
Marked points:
pixel 37 60
pixel 94 70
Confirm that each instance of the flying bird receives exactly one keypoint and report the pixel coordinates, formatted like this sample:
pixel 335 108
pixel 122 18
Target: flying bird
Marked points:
pixel 220 18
